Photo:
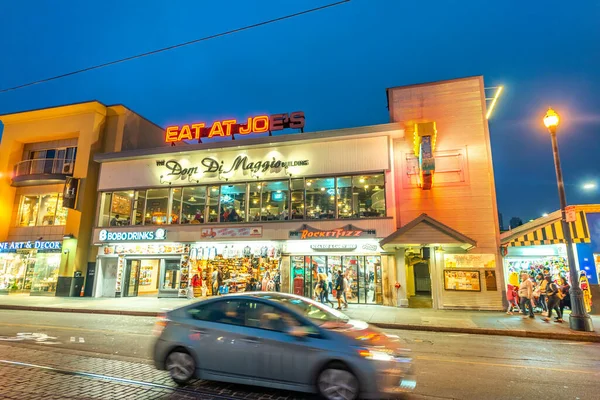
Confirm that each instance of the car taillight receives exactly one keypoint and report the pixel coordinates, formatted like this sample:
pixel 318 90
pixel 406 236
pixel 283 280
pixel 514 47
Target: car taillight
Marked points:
pixel 160 324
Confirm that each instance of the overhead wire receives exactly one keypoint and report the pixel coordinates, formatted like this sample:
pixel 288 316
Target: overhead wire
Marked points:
pixel 172 47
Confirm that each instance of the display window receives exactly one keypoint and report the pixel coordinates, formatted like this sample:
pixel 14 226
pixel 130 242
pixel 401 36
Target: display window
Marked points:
pixel 16 271
pixel 360 196
pixel 555 266
pixel 363 273
pixel 42 210
pixel 45 272
pixel 230 268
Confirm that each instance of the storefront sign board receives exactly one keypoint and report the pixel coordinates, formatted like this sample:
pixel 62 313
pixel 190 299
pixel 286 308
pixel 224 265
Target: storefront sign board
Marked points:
pixel 469 261
pixel 238 232
pixel 348 156
pixel 333 247
pixel 570 214
pixel 231 127
pixel 349 231
pixel 132 236
pixel 70 193
pixel 40 245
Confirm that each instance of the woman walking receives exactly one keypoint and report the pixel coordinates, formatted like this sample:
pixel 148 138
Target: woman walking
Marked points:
pixel 565 289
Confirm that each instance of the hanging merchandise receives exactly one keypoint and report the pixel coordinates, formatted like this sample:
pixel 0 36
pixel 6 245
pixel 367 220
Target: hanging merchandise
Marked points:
pixel 555 266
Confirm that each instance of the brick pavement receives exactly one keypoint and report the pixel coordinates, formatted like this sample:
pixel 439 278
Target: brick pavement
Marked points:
pixel 25 382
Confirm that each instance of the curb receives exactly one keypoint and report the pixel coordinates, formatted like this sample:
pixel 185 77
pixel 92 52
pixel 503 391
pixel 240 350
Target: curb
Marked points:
pixel 577 337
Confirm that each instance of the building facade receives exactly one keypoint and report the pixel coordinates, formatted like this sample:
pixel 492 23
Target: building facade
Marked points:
pixel 48 191
pixel 406 210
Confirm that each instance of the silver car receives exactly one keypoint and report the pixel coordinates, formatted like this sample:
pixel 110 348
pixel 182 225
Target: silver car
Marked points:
pixel 281 341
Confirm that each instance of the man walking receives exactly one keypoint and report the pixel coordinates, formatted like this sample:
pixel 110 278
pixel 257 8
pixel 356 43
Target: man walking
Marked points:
pixel 526 294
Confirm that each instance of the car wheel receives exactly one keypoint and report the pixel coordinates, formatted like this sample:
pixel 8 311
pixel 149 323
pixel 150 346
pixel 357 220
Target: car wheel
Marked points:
pixel 336 382
pixel 181 366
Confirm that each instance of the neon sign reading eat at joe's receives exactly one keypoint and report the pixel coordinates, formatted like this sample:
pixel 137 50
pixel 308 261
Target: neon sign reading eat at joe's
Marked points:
pixel 230 127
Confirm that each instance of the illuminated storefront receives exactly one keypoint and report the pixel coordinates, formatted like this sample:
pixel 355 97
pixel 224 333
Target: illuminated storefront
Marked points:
pixel 539 247
pixel 29 267
pixel 401 209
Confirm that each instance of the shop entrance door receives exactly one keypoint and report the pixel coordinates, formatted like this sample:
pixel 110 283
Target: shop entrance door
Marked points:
pixel 422 279
pixel 132 278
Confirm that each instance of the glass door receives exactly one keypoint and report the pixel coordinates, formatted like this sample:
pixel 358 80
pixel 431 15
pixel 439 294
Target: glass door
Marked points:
pixel 132 274
pixel 318 266
pixel 373 279
pixel 351 267
pixel 297 275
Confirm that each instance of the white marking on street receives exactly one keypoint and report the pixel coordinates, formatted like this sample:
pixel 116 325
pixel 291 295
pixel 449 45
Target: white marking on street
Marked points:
pixel 81 340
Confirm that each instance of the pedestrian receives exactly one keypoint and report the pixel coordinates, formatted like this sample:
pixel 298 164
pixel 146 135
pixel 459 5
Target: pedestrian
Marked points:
pixel 526 293
pixel 542 284
pixel 220 281
pixel 346 288
pixel 265 281
pixel 215 282
pixel 511 296
pixel 565 290
pixel 552 291
pixel 339 288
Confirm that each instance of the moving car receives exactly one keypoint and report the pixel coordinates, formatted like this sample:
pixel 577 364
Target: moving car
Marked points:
pixel 281 341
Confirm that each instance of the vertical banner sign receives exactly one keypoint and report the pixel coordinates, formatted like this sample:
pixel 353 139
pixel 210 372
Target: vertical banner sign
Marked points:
pixel 70 192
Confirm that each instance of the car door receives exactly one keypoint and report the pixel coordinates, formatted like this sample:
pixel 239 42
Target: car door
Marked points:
pixel 224 347
pixel 283 358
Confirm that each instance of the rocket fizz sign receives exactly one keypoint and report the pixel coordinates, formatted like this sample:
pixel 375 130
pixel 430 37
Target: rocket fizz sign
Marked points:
pixel 307 232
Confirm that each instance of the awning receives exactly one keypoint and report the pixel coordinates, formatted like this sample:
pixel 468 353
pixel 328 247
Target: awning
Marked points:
pixel 552 233
pixel 425 230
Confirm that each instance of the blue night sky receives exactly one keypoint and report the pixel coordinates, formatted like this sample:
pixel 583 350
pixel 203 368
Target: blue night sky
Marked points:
pixel 334 64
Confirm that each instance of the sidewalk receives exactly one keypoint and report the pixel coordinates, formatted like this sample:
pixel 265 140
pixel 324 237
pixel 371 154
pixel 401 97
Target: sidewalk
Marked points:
pixel 478 322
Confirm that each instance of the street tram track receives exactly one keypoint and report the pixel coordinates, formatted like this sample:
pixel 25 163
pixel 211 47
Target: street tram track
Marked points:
pixel 90 375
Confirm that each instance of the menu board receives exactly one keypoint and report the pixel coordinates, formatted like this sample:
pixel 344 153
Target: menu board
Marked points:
pixel 462 280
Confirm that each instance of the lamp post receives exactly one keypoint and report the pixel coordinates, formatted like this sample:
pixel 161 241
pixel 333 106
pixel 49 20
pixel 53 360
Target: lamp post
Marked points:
pixel 579 320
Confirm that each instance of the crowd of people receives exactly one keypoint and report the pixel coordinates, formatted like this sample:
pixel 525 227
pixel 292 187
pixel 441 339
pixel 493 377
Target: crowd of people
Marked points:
pixel 325 286
pixel 539 293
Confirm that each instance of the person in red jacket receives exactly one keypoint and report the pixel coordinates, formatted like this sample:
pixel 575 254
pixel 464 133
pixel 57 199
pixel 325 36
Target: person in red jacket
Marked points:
pixel 511 296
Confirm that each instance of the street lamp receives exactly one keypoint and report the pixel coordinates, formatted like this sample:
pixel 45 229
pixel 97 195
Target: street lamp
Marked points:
pixel 579 320
pixel 589 186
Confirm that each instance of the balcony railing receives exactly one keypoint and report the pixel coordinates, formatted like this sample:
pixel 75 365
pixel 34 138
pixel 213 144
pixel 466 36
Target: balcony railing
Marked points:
pixel 43 169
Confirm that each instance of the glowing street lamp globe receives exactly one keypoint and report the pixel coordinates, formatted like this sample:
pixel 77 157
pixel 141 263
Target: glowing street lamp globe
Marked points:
pixel 551 120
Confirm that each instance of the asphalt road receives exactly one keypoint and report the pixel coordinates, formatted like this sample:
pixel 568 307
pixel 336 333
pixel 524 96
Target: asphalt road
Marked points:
pixel 449 366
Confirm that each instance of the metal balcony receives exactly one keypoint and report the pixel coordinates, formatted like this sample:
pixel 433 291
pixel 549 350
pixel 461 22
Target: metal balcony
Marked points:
pixel 42 171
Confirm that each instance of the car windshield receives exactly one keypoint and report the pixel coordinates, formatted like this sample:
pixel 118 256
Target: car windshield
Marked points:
pixel 317 312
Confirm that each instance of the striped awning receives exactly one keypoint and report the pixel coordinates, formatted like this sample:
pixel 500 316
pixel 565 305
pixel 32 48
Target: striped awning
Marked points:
pixel 553 233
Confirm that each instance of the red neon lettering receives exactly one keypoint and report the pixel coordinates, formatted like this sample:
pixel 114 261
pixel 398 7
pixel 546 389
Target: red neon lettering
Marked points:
pixel 196 128
pixel 217 129
pixel 171 134
pixel 228 123
pixel 185 133
pixel 357 233
pixel 260 124
pixel 246 129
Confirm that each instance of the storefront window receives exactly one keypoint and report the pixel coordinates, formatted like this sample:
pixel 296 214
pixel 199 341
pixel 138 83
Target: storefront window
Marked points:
pixel 297 195
pixel 47 213
pixel 104 217
pixel 45 272
pixel 320 198
pixel 171 275
pixel 233 203
pixel 254 208
pixel 157 203
pixel 29 210
pixel 139 202
pixel 369 191
pixel 175 206
pixel 213 203
pixel 193 205
pixel 120 208
pixel 61 212
pixel 42 210
pixel 274 204
pixel 346 200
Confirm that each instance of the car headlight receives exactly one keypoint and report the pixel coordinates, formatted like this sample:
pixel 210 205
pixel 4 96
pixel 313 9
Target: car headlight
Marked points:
pixel 375 354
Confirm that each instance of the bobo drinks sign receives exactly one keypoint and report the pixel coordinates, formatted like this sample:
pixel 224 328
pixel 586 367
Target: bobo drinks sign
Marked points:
pixel 230 127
